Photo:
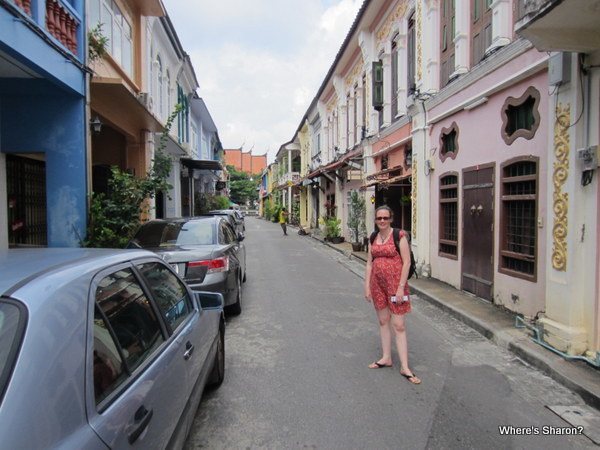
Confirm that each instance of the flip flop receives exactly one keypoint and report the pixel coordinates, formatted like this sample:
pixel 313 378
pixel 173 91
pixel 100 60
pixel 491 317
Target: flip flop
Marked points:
pixel 377 365
pixel 412 378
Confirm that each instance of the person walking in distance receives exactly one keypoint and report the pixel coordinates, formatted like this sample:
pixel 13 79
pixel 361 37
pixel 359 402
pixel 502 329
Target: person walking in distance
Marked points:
pixel 283 217
pixel 386 287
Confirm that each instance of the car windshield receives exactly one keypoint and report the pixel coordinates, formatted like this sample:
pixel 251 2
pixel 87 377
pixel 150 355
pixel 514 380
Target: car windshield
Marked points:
pixel 165 234
pixel 10 317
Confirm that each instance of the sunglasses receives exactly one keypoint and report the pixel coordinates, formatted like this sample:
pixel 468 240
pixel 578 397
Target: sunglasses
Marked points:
pixel 382 218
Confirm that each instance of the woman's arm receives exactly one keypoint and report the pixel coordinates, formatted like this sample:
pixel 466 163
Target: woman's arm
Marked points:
pixel 405 255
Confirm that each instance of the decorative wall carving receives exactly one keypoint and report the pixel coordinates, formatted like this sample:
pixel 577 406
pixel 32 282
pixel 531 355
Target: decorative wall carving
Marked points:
pixel 353 77
pixel 559 178
pixel 413 194
pixel 384 31
pixel 331 104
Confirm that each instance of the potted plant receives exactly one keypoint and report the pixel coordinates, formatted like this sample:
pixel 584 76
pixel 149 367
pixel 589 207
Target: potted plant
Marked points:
pixel 356 219
pixel 333 231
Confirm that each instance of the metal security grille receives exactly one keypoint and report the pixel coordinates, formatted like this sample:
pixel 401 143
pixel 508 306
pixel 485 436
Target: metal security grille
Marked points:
pixel 519 199
pixel 26 189
pixel 449 215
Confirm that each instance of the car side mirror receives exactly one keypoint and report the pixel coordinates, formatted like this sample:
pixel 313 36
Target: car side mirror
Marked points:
pixel 209 300
pixel 240 237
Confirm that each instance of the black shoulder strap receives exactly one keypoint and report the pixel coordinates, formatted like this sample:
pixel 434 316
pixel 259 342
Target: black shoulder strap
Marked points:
pixel 396 234
pixel 373 236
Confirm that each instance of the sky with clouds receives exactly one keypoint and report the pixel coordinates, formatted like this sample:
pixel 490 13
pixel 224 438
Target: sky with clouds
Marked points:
pixel 260 63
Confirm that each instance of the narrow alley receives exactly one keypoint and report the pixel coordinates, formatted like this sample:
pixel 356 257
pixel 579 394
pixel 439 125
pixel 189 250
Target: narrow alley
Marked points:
pixel 297 371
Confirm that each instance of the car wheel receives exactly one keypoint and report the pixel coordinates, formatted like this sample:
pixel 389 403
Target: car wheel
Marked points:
pixel 218 372
pixel 236 308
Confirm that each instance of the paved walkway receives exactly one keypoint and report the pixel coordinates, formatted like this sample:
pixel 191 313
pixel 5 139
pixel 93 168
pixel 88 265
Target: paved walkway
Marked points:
pixel 499 326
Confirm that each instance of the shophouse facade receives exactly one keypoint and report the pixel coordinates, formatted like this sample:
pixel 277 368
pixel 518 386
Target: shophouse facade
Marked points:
pixel 171 81
pixel 482 102
pixel 123 89
pixel 445 113
pixel 43 123
pixel 568 30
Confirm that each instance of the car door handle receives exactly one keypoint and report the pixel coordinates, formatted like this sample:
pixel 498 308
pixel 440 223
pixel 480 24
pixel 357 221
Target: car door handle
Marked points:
pixel 189 349
pixel 142 418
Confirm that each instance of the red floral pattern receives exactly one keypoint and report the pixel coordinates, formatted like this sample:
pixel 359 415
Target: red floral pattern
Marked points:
pixel 385 276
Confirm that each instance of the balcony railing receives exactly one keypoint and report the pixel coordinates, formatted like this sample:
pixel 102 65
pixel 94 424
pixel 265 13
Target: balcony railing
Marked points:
pixel 58 19
pixel 289 178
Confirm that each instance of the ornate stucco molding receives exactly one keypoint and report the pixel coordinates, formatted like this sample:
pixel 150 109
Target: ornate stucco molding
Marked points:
pixel 559 178
pixel 384 32
pixel 414 173
pixel 419 40
pixel 331 104
pixel 356 71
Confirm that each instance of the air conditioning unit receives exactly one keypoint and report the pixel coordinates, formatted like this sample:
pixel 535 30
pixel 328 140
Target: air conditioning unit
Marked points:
pixel 146 99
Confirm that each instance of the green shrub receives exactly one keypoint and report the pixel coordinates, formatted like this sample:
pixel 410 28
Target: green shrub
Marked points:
pixel 332 227
pixel 115 216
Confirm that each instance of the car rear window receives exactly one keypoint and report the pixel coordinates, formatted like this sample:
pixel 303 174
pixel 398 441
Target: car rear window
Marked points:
pixel 161 234
pixel 11 325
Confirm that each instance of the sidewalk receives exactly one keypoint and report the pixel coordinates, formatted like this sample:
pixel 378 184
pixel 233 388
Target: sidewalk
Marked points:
pixel 498 325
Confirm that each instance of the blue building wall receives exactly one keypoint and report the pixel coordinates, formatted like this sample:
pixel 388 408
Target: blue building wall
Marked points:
pixel 53 125
pixel 47 115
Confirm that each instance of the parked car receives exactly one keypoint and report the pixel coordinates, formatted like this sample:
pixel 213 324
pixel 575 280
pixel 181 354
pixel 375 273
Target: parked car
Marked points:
pixel 236 216
pixel 102 349
pixel 205 251
pixel 231 218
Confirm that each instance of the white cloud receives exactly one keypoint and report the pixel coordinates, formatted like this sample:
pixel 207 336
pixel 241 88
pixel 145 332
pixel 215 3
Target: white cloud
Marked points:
pixel 260 63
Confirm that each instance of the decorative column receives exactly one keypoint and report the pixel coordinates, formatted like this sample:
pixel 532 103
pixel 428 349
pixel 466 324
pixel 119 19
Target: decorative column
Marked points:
pixel 502 24
pixel 386 59
pixel 462 17
pixel 402 70
pixel 428 69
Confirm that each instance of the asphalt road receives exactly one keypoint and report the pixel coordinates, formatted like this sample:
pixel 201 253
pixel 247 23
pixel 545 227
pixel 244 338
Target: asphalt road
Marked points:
pixel 296 368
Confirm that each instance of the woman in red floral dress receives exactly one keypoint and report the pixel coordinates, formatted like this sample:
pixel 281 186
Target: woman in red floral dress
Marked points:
pixel 386 287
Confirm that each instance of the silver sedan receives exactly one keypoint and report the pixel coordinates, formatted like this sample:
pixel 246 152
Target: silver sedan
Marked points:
pixel 102 349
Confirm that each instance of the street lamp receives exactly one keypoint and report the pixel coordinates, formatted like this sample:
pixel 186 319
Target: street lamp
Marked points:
pixel 96 125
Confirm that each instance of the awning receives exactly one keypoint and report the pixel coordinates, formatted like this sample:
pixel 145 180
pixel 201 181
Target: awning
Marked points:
pixel 118 105
pixel 207 164
pixel 374 176
pixel 394 180
pixel 335 164
pixel 387 182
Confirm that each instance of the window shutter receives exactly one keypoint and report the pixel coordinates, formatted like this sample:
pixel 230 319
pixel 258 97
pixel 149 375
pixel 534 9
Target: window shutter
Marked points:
pixel 377 85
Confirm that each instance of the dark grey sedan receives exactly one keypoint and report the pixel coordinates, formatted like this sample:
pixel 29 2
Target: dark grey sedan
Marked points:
pixel 102 349
pixel 205 251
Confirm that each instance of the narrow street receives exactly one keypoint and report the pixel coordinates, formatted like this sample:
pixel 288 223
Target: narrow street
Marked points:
pixel 297 377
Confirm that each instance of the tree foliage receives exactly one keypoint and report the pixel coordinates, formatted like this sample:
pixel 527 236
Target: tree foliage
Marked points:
pixel 242 186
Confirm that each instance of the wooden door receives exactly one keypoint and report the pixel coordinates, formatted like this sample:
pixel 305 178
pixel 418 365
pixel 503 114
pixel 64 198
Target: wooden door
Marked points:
pixel 478 231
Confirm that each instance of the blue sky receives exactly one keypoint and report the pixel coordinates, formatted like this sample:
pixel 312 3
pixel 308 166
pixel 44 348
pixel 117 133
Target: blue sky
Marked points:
pixel 259 63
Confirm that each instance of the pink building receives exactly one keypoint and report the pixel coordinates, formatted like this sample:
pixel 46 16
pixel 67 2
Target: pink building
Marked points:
pixel 488 159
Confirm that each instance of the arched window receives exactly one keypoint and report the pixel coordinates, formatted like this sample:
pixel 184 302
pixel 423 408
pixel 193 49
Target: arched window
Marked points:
pixel 518 218
pixel 448 225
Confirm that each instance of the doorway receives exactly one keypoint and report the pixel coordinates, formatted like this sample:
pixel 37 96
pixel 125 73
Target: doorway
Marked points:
pixel 26 192
pixel 478 231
